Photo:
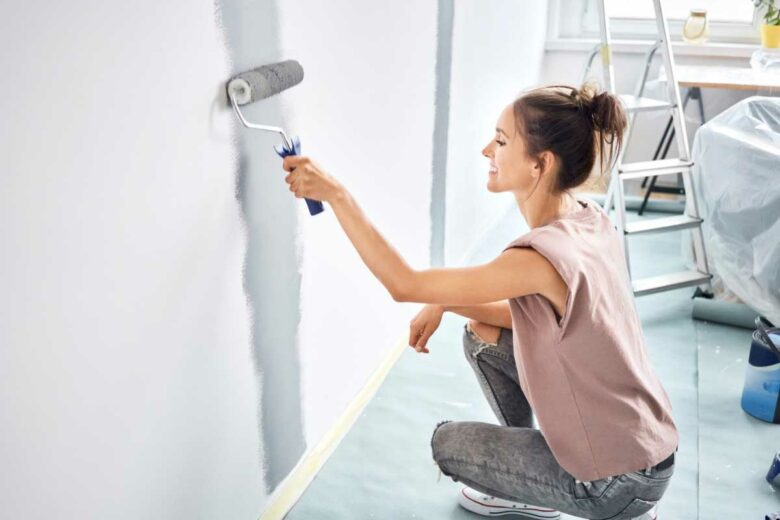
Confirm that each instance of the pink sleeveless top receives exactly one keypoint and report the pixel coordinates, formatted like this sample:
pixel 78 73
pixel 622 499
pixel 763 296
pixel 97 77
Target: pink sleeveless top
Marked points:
pixel 595 395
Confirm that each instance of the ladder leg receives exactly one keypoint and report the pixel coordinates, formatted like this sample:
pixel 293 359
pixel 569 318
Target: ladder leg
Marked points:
pixel 696 93
pixel 697 236
pixel 666 135
pixel 661 143
pixel 620 212
pixel 666 142
pixel 647 195
pixel 610 193
pixel 607 67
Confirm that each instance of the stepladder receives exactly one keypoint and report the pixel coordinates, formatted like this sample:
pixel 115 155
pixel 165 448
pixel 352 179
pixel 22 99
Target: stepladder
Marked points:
pixel 698 276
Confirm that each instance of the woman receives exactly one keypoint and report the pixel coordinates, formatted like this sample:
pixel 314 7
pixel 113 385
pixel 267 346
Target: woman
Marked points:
pixel 553 333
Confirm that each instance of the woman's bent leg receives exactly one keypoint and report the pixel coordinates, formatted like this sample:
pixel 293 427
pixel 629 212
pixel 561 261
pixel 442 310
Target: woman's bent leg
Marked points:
pixel 494 365
pixel 516 463
pixel 512 463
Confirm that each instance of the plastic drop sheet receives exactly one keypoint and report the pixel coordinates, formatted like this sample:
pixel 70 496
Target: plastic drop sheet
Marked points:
pixel 736 177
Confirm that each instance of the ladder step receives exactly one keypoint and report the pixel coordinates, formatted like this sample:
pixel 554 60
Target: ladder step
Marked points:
pixel 661 224
pixel 639 170
pixel 666 282
pixel 643 104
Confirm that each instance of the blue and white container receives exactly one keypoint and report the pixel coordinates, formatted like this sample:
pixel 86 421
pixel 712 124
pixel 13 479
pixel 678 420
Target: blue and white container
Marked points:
pixel 761 393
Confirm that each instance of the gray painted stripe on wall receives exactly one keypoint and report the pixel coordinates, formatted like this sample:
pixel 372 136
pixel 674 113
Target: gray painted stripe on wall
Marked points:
pixel 441 129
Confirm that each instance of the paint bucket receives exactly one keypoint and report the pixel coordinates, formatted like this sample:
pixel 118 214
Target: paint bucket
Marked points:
pixel 761 391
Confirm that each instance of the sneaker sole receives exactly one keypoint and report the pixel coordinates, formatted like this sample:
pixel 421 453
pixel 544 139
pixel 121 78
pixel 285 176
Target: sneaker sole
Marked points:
pixel 479 508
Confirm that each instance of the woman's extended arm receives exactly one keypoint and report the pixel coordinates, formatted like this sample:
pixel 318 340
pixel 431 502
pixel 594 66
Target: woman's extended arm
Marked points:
pixel 515 272
pixel 494 313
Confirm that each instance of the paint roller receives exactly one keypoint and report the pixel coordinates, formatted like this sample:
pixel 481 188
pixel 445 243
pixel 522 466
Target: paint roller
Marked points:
pixel 263 82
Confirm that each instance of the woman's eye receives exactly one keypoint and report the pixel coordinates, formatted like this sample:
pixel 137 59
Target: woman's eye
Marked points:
pixel 500 143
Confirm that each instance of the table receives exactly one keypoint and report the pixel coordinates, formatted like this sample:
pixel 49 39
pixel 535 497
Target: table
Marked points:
pixel 694 78
pixel 732 78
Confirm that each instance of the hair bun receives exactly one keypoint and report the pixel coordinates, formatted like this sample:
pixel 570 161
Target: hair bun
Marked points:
pixel 578 124
pixel 583 100
pixel 601 108
pixel 606 111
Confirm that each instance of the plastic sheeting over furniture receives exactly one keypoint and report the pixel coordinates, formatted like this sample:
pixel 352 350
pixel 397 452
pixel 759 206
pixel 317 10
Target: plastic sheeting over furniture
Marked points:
pixel 737 178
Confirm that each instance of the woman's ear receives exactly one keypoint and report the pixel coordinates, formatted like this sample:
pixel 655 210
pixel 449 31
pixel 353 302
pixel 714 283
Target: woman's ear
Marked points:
pixel 546 162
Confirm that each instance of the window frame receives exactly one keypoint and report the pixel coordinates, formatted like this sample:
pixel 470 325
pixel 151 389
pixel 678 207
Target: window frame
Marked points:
pixel 733 39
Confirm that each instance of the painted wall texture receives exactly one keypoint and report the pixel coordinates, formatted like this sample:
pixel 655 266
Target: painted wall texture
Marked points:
pixel 128 383
pixel 272 277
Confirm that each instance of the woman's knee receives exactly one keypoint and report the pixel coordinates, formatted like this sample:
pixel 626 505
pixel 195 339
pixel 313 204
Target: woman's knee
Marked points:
pixel 440 439
pixel 476 337
pixel 484 332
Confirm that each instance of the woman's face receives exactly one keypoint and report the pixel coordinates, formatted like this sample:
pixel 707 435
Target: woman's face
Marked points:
pixel 511 169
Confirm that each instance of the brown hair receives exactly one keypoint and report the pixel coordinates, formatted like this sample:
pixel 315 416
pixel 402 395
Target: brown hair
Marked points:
pixel 575 125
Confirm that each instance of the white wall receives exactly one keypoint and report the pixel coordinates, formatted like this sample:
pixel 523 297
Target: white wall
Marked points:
pixel 176 328
pixel 498 51
pixel 365 112
pixel 129 388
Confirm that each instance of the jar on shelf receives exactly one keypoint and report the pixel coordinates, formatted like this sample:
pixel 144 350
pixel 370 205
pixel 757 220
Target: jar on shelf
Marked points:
pixel 696 29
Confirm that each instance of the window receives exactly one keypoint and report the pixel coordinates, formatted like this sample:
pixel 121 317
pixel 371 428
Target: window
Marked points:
pixel 731 21
pixel 739 11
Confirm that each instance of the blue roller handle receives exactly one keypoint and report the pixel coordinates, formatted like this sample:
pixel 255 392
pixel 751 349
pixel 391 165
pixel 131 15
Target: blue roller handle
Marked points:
pixel 315 206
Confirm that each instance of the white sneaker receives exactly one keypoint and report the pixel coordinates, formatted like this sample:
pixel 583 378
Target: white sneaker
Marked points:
pixel 651 514
pixel 486 505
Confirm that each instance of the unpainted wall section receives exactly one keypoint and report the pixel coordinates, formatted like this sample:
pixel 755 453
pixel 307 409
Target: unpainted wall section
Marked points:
pixel 497 52
pixel 365 113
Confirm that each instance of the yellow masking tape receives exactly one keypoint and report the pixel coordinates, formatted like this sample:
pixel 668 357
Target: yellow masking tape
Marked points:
pixel 606 55
pixel 292 488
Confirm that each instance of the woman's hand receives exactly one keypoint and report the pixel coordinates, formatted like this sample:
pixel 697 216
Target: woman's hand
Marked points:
pixel 423 326
pixel 308 180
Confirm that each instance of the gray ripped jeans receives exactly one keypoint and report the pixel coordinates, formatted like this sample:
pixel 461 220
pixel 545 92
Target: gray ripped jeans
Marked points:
pixel 514 462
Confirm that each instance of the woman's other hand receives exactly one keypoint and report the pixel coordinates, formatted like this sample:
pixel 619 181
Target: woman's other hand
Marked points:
pixel 307 179
pixel 423 326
